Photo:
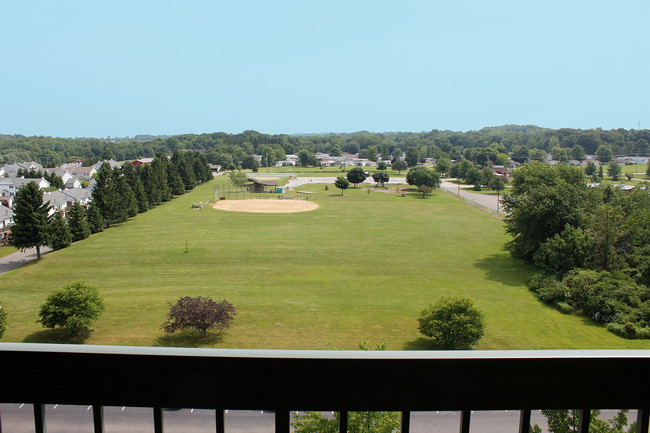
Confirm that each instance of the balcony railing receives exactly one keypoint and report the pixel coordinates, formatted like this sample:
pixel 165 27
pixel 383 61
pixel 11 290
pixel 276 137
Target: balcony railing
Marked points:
pixel 286 380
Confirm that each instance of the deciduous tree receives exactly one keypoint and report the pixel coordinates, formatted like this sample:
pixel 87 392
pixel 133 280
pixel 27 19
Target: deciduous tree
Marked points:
pixel 614 170
pixel 199 313
pixel 419 176
pixel 356 175
pixel 341 183
pixel 74 307
pixel 238 179
pixel 452 323
pixel 400 166
pixel 380 177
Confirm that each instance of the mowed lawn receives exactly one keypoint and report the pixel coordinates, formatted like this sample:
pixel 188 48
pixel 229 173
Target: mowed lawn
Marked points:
pixel 353 270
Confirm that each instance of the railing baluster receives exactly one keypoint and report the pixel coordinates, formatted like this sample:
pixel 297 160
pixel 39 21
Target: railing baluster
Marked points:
pixel 584 420
pixel 158 419
pixel 642 421
pixel 282 421
pixel 406 421
pixel 343 421
pixel 98 418
pixel 524 421
pixel 220 419
pixel 39 418
pixel 465 417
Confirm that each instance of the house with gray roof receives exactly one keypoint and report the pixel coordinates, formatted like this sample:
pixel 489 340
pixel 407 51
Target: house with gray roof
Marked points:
pixel 110 162
pixel 78 195
pixel 11 185
pixel 85 173
pixel 6 221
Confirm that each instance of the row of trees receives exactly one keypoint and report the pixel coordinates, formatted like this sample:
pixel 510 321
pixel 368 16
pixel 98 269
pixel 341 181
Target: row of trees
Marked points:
pixel 591 245
pixel 493 144
pixel 55 181
pixel 118 194
pixel 74 307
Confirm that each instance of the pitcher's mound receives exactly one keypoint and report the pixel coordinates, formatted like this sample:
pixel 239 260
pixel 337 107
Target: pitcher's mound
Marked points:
pixel 265 206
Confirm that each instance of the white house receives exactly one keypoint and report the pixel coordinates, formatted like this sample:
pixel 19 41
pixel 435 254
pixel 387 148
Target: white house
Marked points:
pixel 6 218
pixel 11 185
pixel 73 182
pixel 77 195
pixel 58 201
pixel 85 173
pixel 64 174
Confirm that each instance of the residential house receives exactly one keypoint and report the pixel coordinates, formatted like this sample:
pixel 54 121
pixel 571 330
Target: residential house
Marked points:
pixel 11 185
pixel 84 173
pixel 7 201
pixel 64 174
pixel 77 195
pixel 110 162
pixel 58 202
pixel 74 182
pixel 6 221
pixel 142 161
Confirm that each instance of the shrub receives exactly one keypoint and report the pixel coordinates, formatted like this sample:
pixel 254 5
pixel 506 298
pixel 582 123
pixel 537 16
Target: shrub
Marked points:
pixel 452 322
pixel 564 307
pixel 74 308
pixel 3 321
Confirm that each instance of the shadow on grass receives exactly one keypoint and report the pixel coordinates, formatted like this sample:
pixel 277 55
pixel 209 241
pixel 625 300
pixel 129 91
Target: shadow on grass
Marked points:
pixel 504 269
pixel 188 339
pixel 58 336
pixel 423 344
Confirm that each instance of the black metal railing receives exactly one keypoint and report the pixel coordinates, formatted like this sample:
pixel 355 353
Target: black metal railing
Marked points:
pixel 286 380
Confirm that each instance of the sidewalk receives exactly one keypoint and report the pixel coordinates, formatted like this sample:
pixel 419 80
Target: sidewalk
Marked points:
pixel 14 260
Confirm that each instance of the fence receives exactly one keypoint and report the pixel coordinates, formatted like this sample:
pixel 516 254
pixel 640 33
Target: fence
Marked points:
pixel 283 381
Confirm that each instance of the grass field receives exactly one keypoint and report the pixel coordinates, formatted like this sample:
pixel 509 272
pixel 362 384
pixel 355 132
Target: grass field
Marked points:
pixel 6 250
pixel 355 269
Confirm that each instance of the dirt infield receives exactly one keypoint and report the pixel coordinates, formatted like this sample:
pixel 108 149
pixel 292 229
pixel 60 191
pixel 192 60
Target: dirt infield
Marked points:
pixel 266 206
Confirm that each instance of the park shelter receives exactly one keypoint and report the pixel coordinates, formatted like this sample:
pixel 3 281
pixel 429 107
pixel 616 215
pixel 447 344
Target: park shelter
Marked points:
pixel 260 185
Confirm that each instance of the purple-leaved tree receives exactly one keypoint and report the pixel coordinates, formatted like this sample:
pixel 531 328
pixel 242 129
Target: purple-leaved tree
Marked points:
pixel 199 313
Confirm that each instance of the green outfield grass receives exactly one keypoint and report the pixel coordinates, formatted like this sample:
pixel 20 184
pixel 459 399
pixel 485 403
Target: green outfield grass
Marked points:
pixel 355 269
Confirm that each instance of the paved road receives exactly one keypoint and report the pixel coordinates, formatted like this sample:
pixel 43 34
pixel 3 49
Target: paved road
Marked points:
pixel 296 182
pixel 72 419
pixel 489 201
pixel 12 261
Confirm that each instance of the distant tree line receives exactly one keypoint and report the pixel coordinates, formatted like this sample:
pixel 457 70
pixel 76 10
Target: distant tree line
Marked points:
pixel 590 244
pixel 493 144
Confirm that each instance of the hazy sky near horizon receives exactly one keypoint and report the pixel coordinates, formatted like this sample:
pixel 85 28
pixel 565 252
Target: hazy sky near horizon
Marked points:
pixel 126 67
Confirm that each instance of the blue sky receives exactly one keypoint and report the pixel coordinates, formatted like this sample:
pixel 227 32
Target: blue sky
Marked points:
pixel 118 68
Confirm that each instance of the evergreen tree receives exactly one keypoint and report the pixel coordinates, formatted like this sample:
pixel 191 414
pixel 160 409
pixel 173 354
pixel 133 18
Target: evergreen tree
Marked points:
pixel 183 163
pixel 31 219
pixel 59 233
pixel 178 186
pixel 202 169
pixel 133 178
pixel 78 223
pixel 125 196
pixel 95 220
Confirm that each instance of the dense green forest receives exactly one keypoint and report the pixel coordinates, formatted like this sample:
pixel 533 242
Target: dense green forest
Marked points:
pixel 518 142
pixel 591 244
